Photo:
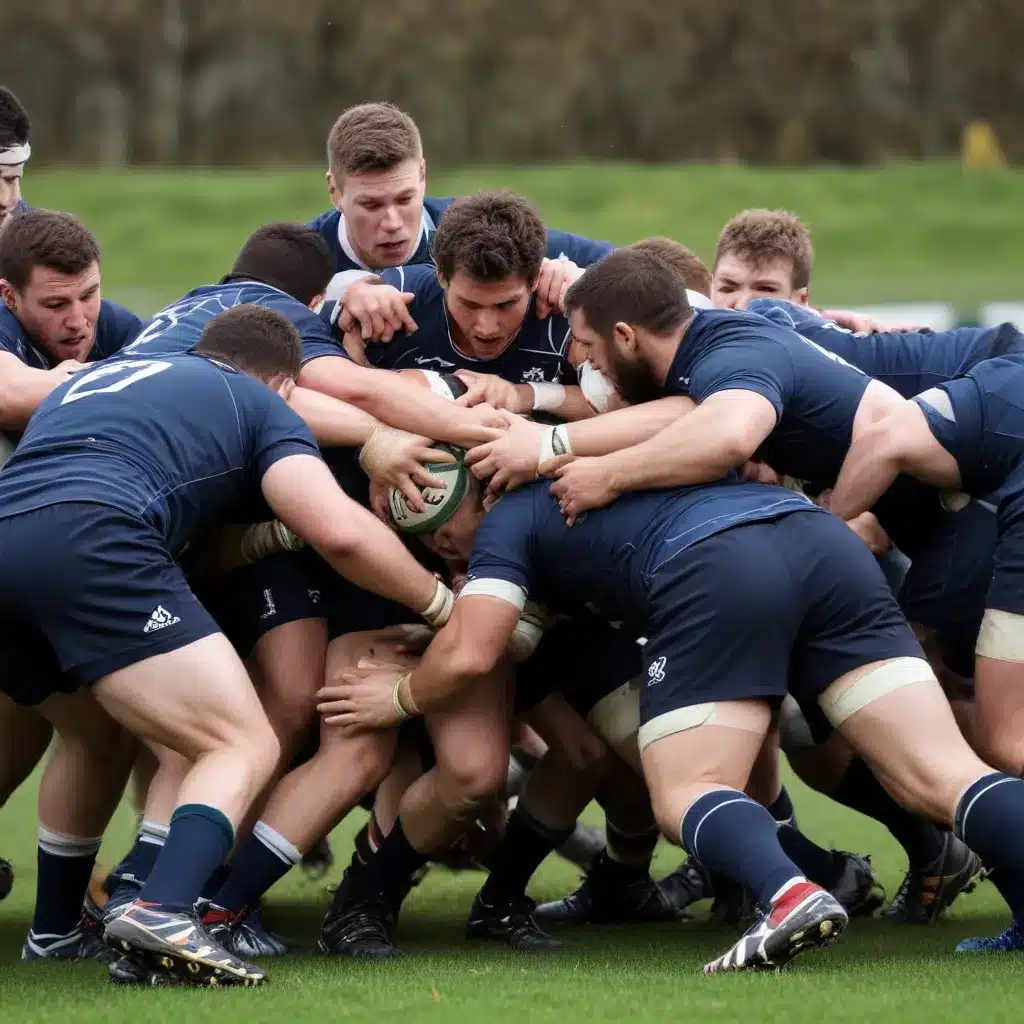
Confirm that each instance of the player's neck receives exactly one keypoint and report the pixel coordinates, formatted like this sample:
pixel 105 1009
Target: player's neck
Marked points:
pixel 662 354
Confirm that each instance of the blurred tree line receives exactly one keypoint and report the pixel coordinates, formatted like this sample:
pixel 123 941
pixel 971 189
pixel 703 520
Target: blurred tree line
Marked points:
pixel 202 82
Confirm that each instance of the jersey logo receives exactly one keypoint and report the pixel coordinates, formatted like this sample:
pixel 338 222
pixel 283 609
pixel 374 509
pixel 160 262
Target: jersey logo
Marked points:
pixel 160 619
pixel 534 374
pixel 314 595
pixel 442 364
pixel 270 608
pixel 656 671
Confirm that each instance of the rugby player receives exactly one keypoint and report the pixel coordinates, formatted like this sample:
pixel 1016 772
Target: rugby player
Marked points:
pixel 770 392
pixel 816 619
pixel 105 623
pixel 382 218
pixel 15 150
pixel 52 322
pixel 967 435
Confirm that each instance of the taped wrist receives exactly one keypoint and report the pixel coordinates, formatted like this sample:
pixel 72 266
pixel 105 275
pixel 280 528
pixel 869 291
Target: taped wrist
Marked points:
pixel 554 442
pixel 439 610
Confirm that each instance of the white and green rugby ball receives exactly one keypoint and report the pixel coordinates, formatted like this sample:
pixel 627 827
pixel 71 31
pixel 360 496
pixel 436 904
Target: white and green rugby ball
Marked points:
pixel 441 502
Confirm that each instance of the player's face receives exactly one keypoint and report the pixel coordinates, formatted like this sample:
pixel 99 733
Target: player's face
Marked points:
pixel 737 281
pixel 454 541
pixel 10 190
pixel 58 311
pixel 488 316
pixel 620 360
pixel 383 211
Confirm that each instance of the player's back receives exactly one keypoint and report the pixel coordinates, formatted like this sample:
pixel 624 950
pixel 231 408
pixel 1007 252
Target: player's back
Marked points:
pixel 910 362
pixel 609 558
pixel 177 442
pixel 179 326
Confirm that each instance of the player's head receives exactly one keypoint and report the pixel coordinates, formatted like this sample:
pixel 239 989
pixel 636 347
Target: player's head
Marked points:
pixel 685 262
pixel 15 129
pixel 377 177
pixel 453 540
pixel 50 280
pixel 257 340
pixel 488 249
pixel 762 254
pixel 623 310
pixel 292 257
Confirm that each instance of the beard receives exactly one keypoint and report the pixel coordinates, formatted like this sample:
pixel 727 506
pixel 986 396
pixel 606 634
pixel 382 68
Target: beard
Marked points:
pixel 634 379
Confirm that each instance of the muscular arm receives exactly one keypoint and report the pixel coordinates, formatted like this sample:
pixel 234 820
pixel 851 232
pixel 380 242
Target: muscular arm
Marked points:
pixel 624 428
pixel 305 497
pixel 394 401
pixel 899 442
pixel 720 434
pixel 469 646
pixel 332 422
pixel 22 388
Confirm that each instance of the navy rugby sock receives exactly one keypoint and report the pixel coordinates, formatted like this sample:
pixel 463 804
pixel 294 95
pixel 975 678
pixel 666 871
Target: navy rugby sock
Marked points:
pixel 525 845
pixel 264 860
pixel 65 865
pixel 817 863
pixel 728 832
pixel 990 820
pixel 138 863
pixel 632 850
pixel 859 790
pixel 198 841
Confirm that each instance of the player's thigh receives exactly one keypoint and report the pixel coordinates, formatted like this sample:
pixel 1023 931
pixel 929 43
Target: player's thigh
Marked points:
pixel 24 737
pixel 471 736
pixel 711 641
pixel 192 699
pixel 565 730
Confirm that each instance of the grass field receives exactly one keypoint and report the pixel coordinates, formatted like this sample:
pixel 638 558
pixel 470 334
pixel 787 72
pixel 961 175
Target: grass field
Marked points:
pixel 929 233
pixel 877 972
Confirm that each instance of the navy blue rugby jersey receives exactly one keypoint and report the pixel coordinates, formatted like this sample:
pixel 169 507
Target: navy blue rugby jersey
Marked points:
pixel 611 558
pixel 181 442
pixel 908 361
pixel 179 326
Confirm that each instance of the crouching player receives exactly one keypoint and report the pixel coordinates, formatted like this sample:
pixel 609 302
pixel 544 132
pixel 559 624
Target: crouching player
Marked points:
pixel 104 623
pixel 816 618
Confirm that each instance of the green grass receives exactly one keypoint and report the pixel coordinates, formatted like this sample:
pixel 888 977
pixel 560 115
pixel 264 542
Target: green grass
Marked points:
pixel 877 972
pixel 930 233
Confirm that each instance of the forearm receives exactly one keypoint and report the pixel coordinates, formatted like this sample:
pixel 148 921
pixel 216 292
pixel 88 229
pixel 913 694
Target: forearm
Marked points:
pixel 439 677
pixel 20 395
pixel 868 471
pixel 333 423
pixel 625 428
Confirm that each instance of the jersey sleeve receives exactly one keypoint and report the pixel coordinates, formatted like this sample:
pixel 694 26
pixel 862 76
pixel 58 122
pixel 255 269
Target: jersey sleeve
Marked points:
pixel 756 364
pixel 501 564
pixel 278 431
pixel 319 336
pixel 582 251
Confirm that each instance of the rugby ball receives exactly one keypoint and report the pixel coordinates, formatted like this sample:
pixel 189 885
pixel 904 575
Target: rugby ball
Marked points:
pixel 441 502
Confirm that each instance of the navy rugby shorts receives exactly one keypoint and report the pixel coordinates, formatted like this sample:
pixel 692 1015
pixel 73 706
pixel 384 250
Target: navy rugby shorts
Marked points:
pixel 766 608
pixel 86 590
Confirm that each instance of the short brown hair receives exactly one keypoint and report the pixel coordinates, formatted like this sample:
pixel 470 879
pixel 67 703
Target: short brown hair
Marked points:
pixel 633 286
pixel 257 340
pixel 490 236
pixel 684 261
pixel 286 255
pixel 45 238
pixel 372 137
pixel 760 236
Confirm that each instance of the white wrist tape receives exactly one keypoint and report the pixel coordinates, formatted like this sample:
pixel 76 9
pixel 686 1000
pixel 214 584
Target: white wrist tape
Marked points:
pixel 263 539
pixel 397 701
pixel 528 632
pixel 547 397
pixel 554 442
pixel 439 610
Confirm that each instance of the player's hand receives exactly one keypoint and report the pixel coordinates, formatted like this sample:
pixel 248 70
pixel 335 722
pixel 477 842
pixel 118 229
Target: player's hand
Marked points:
pixel 66 369
pixel 379 494
pixel 582 484
pixel 494 391
pixel 861 323
pixel 867 527
pixel 552 283
pixel 363 699
pixel 380 311
pixel 511 460
pixel 395 458
pixel 488 423
pixel 355 346
pixel 758 473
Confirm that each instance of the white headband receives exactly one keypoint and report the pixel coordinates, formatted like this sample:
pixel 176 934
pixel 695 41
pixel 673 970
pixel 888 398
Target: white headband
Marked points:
pixel 697 300
pixel 15 155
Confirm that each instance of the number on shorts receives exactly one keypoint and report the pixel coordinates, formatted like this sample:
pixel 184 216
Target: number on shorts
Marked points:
pixel 140 370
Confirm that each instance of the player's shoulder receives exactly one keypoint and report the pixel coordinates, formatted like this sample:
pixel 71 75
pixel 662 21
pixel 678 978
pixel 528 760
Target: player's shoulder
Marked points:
pixel 116 327
pixel 12 334
pixel 420 278
pixel 434 206
pixel 581 250
pixel 326 222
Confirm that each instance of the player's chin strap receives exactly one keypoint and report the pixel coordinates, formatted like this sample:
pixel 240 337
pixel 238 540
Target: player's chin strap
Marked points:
pixel 14 155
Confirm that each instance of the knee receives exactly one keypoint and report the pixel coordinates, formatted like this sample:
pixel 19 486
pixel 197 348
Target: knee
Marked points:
pixel 586 753
pixel 363 760
pixel 999 745
pixel 475 778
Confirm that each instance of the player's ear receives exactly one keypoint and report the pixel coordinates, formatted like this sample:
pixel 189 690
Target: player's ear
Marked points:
pixel 7 293
pixel 442 279
pixel 802 296
pixel 333 191
pixel 625 336
pixel 423 172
